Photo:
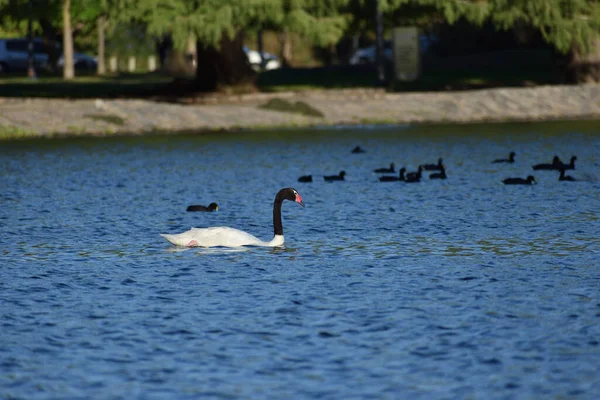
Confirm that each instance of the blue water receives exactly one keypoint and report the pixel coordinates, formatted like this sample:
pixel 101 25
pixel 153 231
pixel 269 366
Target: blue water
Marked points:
pixel 463 288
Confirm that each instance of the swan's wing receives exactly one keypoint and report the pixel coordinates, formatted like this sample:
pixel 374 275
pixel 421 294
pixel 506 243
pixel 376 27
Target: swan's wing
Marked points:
pixel 214 236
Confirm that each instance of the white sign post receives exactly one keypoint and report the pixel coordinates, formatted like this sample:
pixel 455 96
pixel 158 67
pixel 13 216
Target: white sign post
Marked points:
pixel 407 56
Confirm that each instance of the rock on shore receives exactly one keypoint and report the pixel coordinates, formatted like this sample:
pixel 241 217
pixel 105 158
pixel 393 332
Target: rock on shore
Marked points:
pixel 26 117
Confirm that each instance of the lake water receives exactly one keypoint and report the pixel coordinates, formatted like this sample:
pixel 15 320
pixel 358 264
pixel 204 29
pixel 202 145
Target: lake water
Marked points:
pixel 464 288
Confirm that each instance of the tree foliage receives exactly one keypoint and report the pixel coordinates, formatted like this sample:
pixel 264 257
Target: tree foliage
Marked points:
pixel 210 20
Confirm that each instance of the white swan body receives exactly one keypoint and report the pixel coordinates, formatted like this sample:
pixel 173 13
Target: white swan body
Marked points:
pixel 230 237
pixel 219 236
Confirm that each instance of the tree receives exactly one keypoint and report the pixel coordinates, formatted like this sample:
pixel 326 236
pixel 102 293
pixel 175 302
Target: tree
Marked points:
pixel 571 26
pixel 68 68
pixel 219 27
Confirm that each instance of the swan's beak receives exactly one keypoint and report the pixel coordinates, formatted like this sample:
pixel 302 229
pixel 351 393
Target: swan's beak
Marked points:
pixel 299 200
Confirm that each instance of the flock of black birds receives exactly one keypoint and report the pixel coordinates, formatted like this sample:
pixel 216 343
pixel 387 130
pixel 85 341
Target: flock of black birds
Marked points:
pixel 555 165
pixel 408 177
pixel 413 177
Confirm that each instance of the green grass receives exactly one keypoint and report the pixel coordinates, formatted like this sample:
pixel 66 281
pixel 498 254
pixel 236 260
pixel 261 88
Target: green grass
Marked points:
pixel 110 86
pixel 13 132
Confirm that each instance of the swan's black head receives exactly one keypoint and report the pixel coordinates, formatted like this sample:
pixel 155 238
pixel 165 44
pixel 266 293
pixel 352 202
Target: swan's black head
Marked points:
pixel 213 206
pixel 531 179
pixel 512 154
pixel 573 158
pixel 290 194
pixel 342 173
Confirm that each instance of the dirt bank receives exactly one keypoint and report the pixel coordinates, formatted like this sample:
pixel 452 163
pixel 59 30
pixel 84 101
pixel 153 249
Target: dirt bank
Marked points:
pixel 27 117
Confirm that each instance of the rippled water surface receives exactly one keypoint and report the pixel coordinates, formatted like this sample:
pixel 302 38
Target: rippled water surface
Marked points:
pixel 463 288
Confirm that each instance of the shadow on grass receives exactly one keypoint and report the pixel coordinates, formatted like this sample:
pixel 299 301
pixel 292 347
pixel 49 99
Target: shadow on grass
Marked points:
pixel 83 87
pixel 298 107
pixel 111 119
pixel 432 78
pixel 499 69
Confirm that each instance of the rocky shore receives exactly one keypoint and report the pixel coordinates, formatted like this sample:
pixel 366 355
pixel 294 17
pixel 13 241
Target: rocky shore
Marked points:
pixel 48 117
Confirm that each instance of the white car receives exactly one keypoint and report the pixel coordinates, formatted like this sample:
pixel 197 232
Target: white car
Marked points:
pixel 270 60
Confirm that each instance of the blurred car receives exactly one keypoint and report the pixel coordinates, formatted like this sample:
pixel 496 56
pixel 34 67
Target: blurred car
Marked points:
pixel 366 55
pixel 80 61
pixel 270 60
pixel 14 54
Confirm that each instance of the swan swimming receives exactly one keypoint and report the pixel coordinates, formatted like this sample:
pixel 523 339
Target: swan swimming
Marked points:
pixel 231 237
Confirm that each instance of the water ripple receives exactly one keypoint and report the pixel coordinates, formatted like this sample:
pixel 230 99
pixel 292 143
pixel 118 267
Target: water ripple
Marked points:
pixel 457 289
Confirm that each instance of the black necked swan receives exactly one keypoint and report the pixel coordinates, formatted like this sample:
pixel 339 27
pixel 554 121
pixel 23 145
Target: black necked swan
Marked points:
pixel 357 150
pixel 211 207
pixel 510 159
pixel 563 177
pixel 339 177
pixel 570 165
pixel 231 237
pixel 392 178
pixel 554 165
pixel 386 170
pixel 305 178
pixel 439 175
pixel 434 167
pixel 530 180
pixel 414 176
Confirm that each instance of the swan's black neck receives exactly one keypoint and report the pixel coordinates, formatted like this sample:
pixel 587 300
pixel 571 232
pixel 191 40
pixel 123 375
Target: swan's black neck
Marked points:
pixel 277 224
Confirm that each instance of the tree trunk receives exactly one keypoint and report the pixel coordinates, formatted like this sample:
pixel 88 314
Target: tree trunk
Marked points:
pixel 101 69
pixel 49 34
pixel 584 68
pixel 286 48
pixel 223 68
pixel 30 46
pixel 68 69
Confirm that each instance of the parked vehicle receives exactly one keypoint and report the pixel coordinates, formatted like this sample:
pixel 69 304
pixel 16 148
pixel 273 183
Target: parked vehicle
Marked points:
pixel 270 60
pixel 80 61
pixel 14 54
pixel 366 55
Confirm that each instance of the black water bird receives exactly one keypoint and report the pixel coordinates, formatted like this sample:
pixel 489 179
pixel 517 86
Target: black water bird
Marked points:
pixel 386 170
pixel 510 159
pixel 439 175
pixel 554 165
pixel 331 178
pixel 414 176
pixel 211 207
pixel 305 178
pixel 563 177
pixel 434 167
pixel 391 178
pixel 357 150
pixel 530 180
pixel 570 165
